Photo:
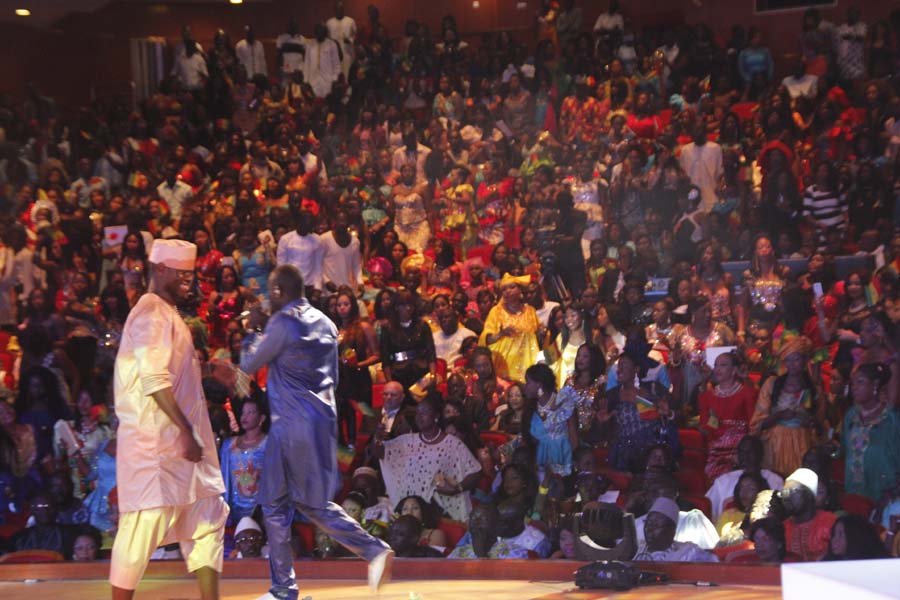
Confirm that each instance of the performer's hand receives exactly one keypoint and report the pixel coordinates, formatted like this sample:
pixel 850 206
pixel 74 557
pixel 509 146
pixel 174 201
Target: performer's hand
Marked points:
pixel 191 450
pixel 257 318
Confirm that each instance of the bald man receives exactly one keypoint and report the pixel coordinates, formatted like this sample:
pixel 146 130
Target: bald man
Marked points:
pixel 299 346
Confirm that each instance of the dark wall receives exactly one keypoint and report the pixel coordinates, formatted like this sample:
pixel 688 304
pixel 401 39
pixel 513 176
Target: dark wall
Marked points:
pixel 84 50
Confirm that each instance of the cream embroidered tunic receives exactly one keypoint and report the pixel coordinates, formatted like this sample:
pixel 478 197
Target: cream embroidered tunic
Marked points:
pixel 157 352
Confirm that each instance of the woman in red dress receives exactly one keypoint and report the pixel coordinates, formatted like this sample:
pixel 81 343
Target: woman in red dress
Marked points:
pixel 725 412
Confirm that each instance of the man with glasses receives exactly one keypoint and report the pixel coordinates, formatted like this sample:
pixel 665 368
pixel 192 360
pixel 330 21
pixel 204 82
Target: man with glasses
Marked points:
pixel 169 483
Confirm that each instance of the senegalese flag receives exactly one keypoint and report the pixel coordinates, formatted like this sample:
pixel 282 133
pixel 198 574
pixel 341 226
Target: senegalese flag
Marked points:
pixel 646 409
pixel 345 458
pixel 363 408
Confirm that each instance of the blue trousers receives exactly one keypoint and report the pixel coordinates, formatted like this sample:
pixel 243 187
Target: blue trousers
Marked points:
pixel 330 518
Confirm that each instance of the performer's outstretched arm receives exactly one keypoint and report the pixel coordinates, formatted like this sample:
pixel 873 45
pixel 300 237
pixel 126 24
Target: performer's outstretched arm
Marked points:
pixel 261 349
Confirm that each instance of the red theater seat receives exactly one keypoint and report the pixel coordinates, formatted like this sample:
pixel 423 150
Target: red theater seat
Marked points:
pixel 692 481
pixel 691 439
pixel 857 505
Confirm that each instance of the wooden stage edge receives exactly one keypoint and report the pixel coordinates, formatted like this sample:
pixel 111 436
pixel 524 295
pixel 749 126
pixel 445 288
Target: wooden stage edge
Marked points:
pixel 404 569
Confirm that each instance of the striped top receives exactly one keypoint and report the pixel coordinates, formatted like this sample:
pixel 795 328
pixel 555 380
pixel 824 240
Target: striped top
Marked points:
pixel 828 208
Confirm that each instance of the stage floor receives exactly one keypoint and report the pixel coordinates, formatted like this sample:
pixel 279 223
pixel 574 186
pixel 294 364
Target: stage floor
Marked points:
pixel 428 589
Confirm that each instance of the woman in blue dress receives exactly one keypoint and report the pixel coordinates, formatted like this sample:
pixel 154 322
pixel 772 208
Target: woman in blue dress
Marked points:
pixel 554 426
pixel 639 417
pixel 241 459
pixel 254 261
pixel 103 476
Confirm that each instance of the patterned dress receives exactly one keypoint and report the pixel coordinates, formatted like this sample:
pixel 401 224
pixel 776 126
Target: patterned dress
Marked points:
pixel 411 220
pixel 241 470
pixel 550 427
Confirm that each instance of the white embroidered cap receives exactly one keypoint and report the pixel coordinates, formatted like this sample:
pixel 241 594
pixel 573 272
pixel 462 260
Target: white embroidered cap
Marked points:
pixel 175 254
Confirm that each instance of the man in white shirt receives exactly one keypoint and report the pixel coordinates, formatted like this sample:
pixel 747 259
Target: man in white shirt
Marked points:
pixel 251 54
pixel 610 20
pixel 749 458
pixel 702 161
pixel 290 48
pixel 342 29
pixel 342 263
pixel 448 338
pixel 311 162
pixel 303 249
pixel 190 69
pixel 659 537
pixel 542 306
pixel 174 191
pixel 801 83
pixel 322 63
pixel 169 481
pixel 413 153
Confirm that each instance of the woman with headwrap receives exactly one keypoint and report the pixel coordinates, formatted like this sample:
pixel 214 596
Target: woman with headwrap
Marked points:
pixel 785 415
pixel 511 330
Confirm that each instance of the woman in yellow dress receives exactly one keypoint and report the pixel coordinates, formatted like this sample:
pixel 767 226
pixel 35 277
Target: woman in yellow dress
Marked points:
pixel 511 330
pixel 786 409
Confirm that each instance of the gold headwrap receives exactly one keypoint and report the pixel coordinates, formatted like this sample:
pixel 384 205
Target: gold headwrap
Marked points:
pixel 520 280
pixel 415 261
pixel 800 343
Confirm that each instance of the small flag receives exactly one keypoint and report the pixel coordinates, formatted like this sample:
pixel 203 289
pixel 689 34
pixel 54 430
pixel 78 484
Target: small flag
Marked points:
pixel 363 408
pixel 646 409
pixel 345 457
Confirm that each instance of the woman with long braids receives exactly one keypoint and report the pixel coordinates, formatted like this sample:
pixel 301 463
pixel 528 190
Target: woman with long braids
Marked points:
pixel 357 349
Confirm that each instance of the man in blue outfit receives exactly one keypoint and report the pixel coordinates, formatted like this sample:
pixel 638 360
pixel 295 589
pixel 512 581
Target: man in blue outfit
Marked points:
pixel 299 345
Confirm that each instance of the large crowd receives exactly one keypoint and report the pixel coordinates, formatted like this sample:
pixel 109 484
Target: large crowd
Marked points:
pixel 612 294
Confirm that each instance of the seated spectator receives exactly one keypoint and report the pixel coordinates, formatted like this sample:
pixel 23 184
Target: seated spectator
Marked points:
pixel 424 513
pixel 404 535
pixel 46 533
pixel 393 417
pixel 853 537
pixel 807 529
pixel 481 540
pixel 745 492
pixel 749 459
pixel 69 509
pixel 249 540
pixel 767 536
pixel 659 536
pixel 85 545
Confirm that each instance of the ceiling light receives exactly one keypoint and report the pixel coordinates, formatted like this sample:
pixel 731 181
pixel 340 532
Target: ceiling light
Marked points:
pixel 23 12
pixel 236 1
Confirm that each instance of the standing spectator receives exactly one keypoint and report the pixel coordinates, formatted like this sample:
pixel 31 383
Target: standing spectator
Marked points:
pixel 322 62
pixel 448 339
pixel 755 59
pixel 190 68
pixel 290 47
pixel 850 47
pixel 303 248
pixel 251 54
pixel 825 206
pixel 174 192
pixel 342 259
pixel 241 458
pixel 342 29
pixel 702 161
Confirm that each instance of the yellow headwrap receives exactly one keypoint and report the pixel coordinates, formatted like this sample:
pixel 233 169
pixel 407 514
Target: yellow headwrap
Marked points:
pixel 520 280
